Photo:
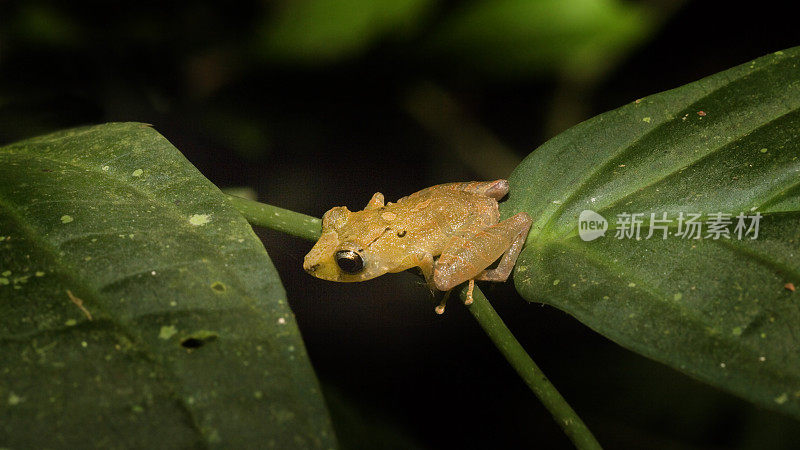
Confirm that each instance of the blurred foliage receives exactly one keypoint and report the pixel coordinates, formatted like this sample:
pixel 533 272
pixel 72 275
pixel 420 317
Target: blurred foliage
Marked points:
pixel 360 425
pixel 578 38
pixel 497 38
pixel 166 59
pixel 320 31
pixel 46 25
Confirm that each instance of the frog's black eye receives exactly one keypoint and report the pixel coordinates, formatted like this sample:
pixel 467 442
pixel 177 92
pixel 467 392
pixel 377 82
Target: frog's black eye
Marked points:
pixel 349 261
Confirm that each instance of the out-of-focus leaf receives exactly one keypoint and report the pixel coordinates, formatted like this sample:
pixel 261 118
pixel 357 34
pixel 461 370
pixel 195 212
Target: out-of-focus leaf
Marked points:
pixel 45 24
pixel 137 308
pixel 362 426
pixel 320 31
pixel 519 37
pixel 723 310
pixel 247 137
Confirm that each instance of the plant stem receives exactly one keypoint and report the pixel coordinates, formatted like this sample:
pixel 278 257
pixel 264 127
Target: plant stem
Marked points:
pixel 527 369
pixel 308 227
pixel 283 220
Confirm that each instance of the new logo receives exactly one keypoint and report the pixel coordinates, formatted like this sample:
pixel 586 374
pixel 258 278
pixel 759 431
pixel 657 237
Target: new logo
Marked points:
pixel 591 225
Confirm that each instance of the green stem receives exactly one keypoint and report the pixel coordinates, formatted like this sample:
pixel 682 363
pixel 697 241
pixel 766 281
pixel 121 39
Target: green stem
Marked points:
pixel 527 369
pixel 308 227
pixel 283 220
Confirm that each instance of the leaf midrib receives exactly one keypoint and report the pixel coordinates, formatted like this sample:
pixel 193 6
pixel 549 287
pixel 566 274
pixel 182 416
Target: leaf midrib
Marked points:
pixel 728 243
pixel 676 172
pixel 90 293
pixel 88 290
pixel 601 168
pixel 169 208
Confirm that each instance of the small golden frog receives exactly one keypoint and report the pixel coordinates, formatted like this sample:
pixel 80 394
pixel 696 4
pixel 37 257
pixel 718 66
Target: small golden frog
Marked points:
pixel 458 222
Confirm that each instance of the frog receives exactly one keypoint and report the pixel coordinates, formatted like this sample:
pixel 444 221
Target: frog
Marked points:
pixel 451 232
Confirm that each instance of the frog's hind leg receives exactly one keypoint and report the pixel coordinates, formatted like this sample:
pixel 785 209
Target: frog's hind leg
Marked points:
pixel 496 189
pixel 517 228
pixel 466 258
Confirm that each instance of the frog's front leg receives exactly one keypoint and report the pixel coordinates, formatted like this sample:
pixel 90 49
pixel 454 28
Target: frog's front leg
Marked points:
pixel 426 265
pixel 440 307
pixel 467 257
pixel 424 261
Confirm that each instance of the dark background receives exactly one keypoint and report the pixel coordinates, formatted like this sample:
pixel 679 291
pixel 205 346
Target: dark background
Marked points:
pixel 321 103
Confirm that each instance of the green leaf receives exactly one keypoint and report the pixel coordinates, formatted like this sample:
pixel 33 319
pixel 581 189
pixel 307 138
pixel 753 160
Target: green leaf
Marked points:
pixel 519 37
pixel 718 309
pixel 320 31
pixel 138 308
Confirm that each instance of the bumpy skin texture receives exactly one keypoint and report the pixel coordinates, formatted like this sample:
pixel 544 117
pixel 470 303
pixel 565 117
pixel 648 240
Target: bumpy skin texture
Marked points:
pixel 458 222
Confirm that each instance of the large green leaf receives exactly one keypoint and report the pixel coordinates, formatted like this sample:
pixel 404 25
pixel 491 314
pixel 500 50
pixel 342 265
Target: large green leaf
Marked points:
pixel 137 308
pixel 721 309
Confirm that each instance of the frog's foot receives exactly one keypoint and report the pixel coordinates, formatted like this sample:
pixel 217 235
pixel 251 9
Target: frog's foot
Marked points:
pixel 440 309
pixel 468 300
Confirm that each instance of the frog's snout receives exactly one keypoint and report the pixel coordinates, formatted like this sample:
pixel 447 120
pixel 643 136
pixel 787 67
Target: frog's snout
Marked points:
pixel 319 260
pixel 309 264
pixel 318 268
pixel 321 269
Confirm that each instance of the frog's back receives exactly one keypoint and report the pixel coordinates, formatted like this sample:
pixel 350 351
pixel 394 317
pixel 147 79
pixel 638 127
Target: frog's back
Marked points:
pixel 432 216
pixel 460 198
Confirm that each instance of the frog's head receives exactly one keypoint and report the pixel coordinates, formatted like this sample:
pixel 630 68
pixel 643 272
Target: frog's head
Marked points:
pixel 343 251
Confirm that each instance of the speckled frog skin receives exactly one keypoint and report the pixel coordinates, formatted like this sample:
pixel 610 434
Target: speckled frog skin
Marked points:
pixel 456 222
